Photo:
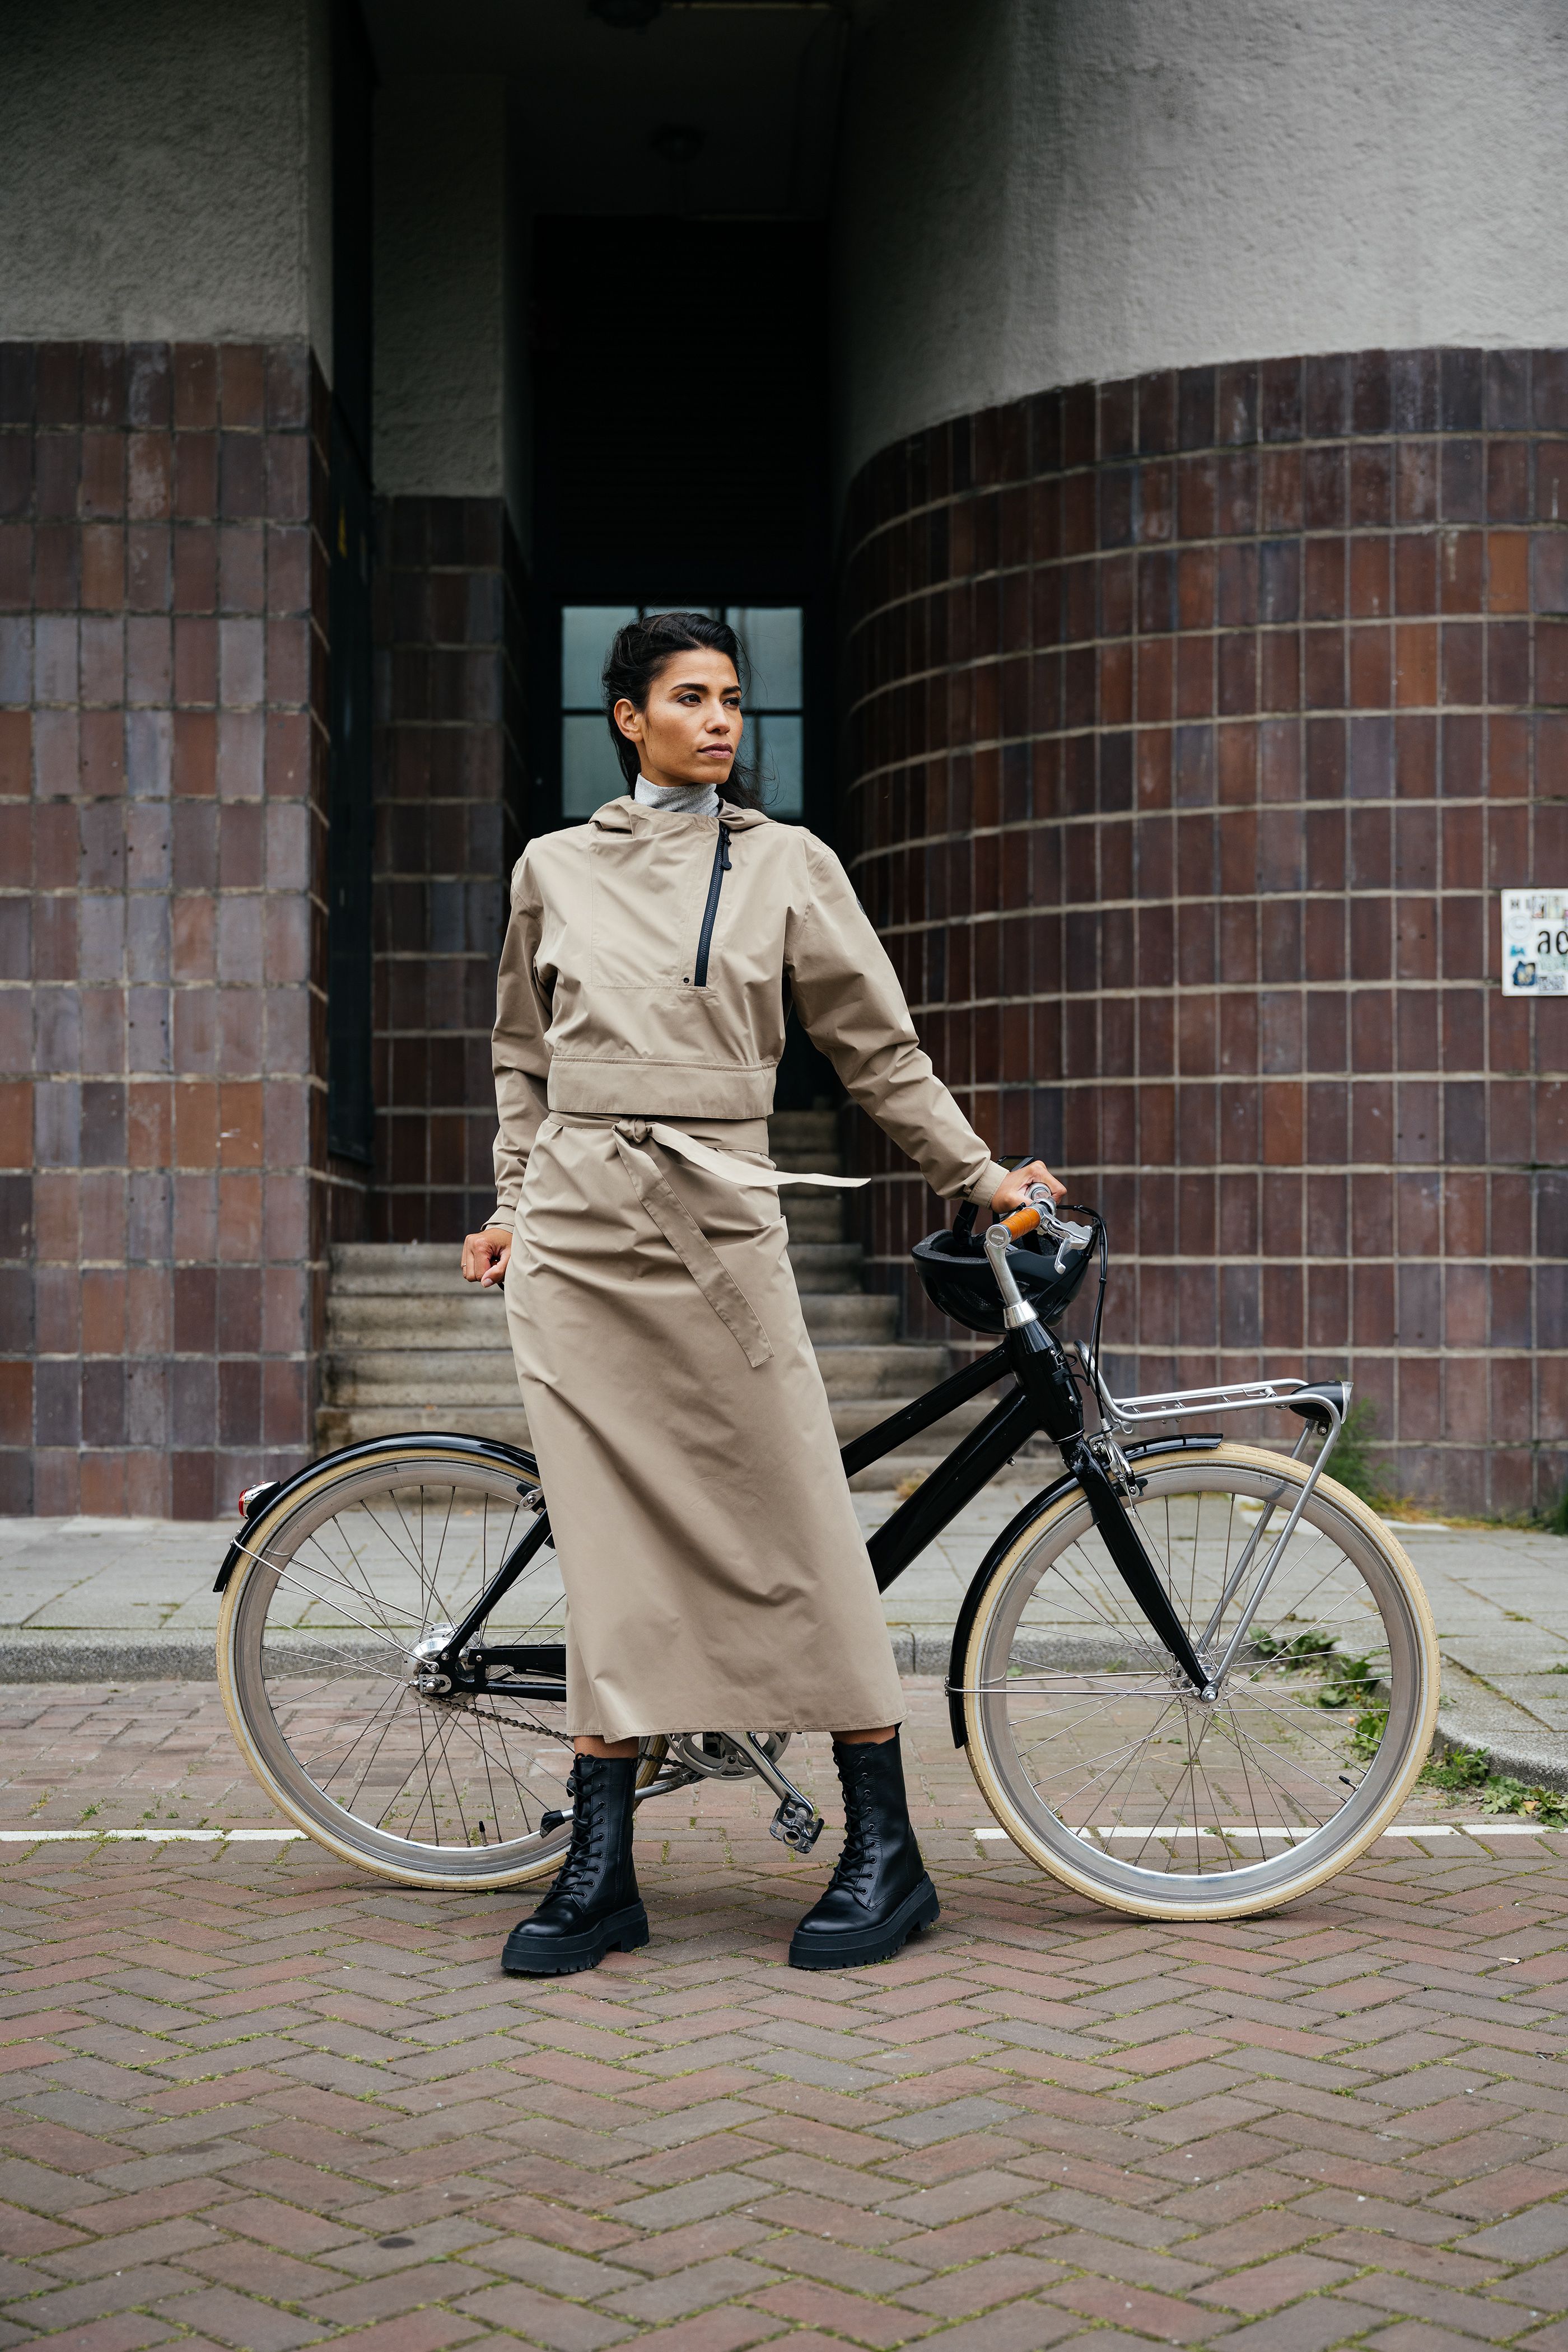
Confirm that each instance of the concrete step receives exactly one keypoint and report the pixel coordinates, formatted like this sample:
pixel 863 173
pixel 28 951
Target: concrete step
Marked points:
pixel 813 1131
pixel 827 1265
pixel 350 1424
pixel 474 1322
pixel 339 1424
pixel 411 1376
pixel 813 1217
pixel 410 1347
pixel 853 1416
pixel 423 1271
pixel 463 1375
pixel 899 1370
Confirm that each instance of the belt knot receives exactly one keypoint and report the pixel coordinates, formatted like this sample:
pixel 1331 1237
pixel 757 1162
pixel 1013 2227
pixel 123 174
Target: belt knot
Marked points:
pixel 635 1131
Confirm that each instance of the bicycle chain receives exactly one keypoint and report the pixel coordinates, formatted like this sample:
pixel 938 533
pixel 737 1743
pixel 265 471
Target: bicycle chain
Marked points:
pixel 459 1700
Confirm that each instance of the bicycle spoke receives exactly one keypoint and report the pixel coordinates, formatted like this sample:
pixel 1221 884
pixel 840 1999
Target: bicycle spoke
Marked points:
pixel 380 1633
pixel 357 1748
pixel 1176 1791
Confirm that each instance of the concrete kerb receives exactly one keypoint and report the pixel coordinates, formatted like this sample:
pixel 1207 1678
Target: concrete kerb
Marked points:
pixel 114 1658
pixel 47 1656
pixel 1541 1764
pixel 44 1656
pixel 132 1602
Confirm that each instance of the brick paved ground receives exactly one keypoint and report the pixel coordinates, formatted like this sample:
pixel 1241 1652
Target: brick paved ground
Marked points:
pixel 256 2100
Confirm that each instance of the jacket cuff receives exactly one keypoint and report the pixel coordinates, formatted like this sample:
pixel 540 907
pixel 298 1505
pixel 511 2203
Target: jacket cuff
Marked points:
pixel 502 1216
pixel 987 1184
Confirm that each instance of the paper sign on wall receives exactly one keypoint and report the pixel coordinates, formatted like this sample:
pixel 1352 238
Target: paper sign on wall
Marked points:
pixel 1535 943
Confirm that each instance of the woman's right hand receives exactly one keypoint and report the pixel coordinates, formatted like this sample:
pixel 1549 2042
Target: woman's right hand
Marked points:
pixel 487 1256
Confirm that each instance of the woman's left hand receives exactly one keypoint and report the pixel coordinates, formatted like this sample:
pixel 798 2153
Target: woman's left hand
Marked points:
pixel 1016 1191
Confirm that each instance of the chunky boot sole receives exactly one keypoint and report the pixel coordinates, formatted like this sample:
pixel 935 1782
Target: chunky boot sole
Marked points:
pixel 565 1956
pixel 863 1946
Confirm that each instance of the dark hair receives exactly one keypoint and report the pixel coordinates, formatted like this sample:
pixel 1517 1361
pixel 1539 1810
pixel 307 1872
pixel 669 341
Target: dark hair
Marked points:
pixel 636 657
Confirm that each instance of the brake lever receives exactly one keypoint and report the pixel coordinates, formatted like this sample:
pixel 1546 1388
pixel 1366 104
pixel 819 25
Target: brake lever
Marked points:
pixel 1072 1240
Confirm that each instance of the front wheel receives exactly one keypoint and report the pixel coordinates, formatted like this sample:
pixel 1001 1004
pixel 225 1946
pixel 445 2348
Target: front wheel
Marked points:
pixel 341 1579
pixel 1107 1768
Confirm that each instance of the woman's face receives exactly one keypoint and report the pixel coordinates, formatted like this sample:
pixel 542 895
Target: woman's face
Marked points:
pixel 690 731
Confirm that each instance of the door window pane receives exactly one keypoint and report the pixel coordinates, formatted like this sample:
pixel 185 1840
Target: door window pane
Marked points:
pixel 771 634
pixel 777 751
pixel 586 633
pixel 590 771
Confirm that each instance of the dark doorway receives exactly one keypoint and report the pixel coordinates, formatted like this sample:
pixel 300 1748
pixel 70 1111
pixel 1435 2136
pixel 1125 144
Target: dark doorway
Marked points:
pixel 351 792
pixel 681 451
pixel 681 373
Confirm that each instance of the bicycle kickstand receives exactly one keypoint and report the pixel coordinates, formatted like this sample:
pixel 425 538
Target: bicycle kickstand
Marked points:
pixel 797 1823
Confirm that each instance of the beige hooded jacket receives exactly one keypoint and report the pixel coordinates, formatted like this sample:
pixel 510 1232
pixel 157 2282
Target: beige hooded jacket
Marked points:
pixel 607 1005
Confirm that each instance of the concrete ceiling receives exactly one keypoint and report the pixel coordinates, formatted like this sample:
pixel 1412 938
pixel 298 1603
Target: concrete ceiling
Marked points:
pixel 600 109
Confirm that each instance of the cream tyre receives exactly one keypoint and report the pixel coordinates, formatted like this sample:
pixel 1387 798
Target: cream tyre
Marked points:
pixel 1076 1728
pixel 339 1578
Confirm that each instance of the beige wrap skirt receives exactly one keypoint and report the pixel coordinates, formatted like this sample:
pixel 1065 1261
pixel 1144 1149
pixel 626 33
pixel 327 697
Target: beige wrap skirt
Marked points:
pixel 715 1574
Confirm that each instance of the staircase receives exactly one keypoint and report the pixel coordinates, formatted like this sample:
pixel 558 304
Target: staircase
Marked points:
pixel 410 1346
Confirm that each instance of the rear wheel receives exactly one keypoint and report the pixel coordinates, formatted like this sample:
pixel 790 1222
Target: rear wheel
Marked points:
pixel 341 1578
pixel 1105 1767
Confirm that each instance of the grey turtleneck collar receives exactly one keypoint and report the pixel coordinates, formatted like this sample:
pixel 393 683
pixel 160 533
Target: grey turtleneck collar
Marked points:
pixel 680 800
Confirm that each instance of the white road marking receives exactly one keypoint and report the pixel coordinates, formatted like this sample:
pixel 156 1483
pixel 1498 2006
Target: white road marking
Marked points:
pixel 153 1837
pixel 1239 1830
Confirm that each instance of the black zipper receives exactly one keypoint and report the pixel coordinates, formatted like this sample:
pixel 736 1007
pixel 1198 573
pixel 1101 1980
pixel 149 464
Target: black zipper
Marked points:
pixel 710 911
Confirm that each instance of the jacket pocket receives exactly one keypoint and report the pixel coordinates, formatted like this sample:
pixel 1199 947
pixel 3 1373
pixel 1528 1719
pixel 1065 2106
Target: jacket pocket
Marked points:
pixel 646 903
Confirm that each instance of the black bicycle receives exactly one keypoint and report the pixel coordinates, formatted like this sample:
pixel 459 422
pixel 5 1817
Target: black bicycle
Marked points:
pixel 1192 1679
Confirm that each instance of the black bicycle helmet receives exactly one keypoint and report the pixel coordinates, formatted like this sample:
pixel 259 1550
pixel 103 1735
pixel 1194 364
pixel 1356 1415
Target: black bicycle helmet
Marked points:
pixel 958 1278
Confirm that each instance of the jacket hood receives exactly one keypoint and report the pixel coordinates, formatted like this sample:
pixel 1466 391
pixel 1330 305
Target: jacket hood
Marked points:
pixel 629 816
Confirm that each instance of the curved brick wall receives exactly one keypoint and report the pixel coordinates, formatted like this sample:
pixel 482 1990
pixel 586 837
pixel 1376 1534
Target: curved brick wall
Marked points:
pixel 1195 722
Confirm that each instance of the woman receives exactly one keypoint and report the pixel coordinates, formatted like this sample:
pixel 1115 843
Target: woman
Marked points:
pixel 715 1574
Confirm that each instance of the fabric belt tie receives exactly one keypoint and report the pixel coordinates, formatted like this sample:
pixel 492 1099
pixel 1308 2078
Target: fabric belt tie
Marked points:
pixel 724 1163
pixel 686 1236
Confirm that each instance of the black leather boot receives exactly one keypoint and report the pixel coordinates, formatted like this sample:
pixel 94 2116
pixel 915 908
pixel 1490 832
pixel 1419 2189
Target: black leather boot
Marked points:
pixel 593 1906
pixel 879 1894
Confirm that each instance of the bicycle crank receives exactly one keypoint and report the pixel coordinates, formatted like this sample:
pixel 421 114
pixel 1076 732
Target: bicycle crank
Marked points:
pixel 796 1822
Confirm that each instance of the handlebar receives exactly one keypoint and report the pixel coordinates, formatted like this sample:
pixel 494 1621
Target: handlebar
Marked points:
pixel 1039 1214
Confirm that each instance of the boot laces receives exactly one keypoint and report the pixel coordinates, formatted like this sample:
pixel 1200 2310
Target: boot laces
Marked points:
pixel 857 1857
pixel 585 1851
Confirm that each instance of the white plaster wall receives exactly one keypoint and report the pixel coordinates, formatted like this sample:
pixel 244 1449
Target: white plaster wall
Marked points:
pixel 1037 192
pixel 446 346
pixel 162 171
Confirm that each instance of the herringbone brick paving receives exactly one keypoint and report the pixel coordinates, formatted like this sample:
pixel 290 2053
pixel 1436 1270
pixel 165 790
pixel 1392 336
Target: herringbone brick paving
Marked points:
pixel 254 2099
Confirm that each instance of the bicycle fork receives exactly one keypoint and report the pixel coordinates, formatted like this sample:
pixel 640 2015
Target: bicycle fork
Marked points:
pixel 1101 1469
pixel 1097 1462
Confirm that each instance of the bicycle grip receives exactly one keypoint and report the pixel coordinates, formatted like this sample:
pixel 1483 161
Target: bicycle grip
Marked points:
pixel 1022 1221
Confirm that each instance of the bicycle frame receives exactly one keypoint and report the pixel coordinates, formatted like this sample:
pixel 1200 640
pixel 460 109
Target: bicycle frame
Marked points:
pixel 1044 1402
pixel 1044 1398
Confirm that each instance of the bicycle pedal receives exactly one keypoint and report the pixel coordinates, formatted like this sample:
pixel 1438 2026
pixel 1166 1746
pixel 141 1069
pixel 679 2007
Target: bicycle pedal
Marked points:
pixel 794 1825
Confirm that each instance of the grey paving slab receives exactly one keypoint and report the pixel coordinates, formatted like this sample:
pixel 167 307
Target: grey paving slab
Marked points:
pixel 82 1597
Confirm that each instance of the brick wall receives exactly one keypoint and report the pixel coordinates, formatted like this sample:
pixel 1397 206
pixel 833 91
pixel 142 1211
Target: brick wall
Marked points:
pixel 162 1039
pixel 450 794
pixel 1195 724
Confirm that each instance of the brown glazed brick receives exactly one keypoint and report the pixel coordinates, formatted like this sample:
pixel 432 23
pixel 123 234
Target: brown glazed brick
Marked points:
pixel 195 381
pixel 432 1181
pixel 1407 658
pixel 135 891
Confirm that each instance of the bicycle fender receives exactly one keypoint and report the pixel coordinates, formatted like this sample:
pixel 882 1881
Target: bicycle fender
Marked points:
pixel 367 1450
pixel 1014 1529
